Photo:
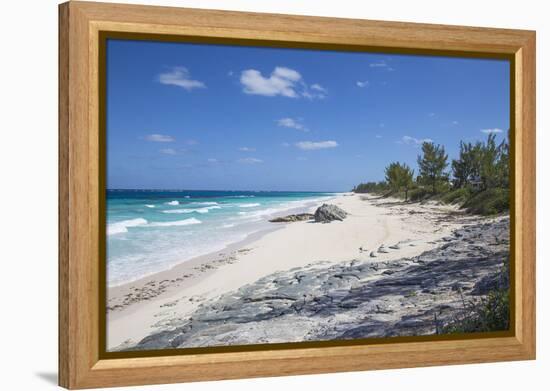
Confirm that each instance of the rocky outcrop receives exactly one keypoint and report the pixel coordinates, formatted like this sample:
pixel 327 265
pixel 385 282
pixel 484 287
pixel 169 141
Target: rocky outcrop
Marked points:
pixel 354 299
pixel 292 218
pixel 327 213
pixel 324 214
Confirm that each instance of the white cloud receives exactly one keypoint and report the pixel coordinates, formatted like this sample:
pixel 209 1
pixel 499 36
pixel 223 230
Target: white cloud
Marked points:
pixel 282 81
pixel 287 73
pixel 313 145
pixel 247 149
pixel 489 131
pixel 315 91
pixel 285 144
pixel 455 122
pixel 159 138
pixel 431 115
pixel 191 142
pixel 362 84
pixel 212 160
pixel 381 65
pixel 413 141
pixel 318 87
pixel 168 151
pixel 291 123
pixel 301 158
pixel 378 136
pixel 180 77
pixel 250 160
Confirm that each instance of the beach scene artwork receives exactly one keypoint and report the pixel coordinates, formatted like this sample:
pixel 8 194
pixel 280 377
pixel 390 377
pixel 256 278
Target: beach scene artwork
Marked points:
pixel 259 195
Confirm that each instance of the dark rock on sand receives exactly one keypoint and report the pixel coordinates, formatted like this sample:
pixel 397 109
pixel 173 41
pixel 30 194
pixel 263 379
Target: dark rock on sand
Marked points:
pixel 292 218
pixel 327 213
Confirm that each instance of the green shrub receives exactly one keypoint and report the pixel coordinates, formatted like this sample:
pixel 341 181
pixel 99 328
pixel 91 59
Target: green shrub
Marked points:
pixel 458 196
pixel 491 313
pixel 488 202
pixel 442 187
pixel 419 194
pixel 372 187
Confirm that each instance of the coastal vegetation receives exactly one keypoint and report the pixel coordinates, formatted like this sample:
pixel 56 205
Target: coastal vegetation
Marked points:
pixel 488 313
pixel 478 180
pixel 399 177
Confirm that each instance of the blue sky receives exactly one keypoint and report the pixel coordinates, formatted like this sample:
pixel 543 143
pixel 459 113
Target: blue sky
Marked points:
pixel 212 117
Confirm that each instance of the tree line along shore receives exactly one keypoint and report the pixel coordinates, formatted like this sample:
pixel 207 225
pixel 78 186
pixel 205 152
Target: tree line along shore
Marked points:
pixel 478 180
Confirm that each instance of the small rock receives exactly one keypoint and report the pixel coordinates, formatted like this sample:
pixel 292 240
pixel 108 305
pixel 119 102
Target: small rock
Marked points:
pixel 382 250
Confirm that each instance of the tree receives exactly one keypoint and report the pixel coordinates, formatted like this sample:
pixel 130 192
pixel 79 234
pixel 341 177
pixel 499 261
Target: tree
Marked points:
pixel 483 163
pixel 464 168
pixel 503 164
pixel 489 158
pixel 399 176
pixel 495 164
pixel 432 164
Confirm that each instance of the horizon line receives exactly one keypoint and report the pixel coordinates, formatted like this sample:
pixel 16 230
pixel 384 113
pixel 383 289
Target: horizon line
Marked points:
pixel 249 191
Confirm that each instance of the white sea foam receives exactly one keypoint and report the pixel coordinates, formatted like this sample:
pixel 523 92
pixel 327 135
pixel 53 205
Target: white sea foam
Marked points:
pixel 122 226
pixel 176 223
pixel 162 244
pixel 149 206
pixel 178 211
pixel 249 205
pixel 281 208
pixel 206 209
pixel 199 210
pixel 263 212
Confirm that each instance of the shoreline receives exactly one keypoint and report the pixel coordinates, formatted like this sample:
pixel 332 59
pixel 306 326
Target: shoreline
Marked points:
pixel 186 267
pixel 125 300
pixel 165 299
pixel 228 247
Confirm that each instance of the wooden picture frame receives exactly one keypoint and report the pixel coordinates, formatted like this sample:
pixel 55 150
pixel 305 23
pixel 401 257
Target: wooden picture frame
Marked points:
pixel 81 364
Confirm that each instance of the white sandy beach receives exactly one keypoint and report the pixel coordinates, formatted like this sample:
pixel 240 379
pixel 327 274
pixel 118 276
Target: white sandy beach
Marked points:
pixel 156 302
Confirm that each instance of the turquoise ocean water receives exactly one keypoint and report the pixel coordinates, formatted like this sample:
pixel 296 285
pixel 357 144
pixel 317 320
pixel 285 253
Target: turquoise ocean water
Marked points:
pixel 151 230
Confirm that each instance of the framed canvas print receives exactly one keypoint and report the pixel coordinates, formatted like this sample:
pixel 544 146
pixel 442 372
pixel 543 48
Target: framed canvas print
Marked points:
pixel 248 195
